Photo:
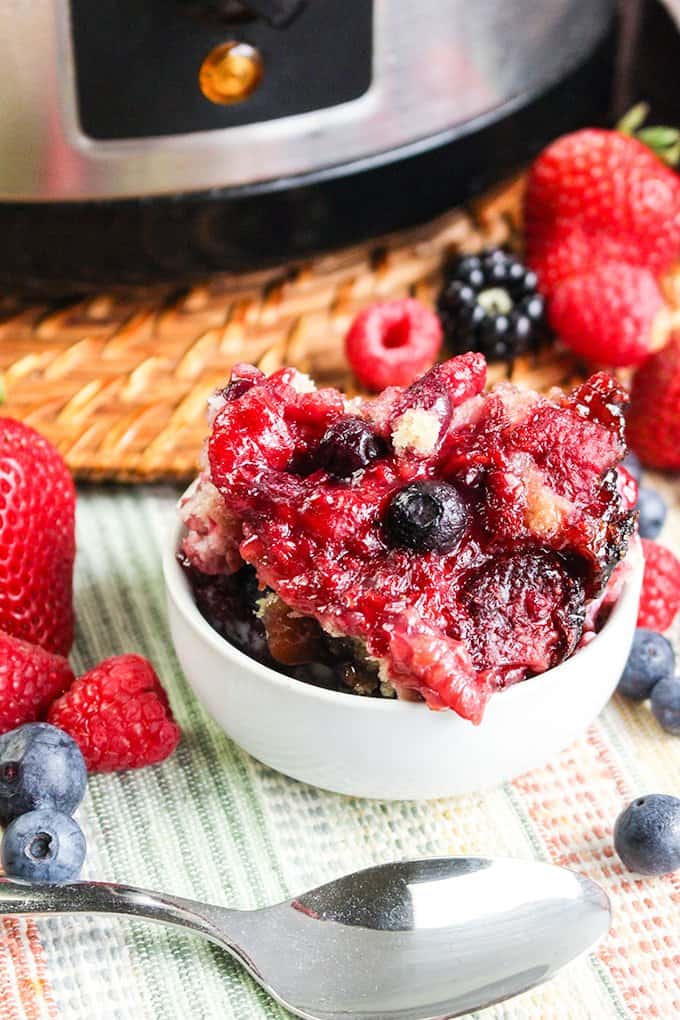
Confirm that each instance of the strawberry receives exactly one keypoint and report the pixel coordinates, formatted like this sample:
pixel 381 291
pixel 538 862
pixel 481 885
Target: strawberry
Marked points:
pixel 30 680
pixel 119 715
pixel 660 598
pixel 653 420
pixel 608 314
pixel 37 539
pixel 602 214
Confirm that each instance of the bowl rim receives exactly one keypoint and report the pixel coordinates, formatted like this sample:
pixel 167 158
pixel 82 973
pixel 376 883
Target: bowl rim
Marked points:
pixel 177 587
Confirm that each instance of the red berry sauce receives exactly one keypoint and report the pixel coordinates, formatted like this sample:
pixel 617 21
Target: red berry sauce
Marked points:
pixel 545 522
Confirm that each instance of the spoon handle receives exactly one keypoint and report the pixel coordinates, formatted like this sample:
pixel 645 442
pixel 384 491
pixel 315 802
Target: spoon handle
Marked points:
pixel 109 898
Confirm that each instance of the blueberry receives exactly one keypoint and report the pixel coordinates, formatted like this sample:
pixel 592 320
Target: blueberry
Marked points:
pixel 652 510
pixel 43 846
pixel 633 466
pixel 666 704
pixel 651 659
pixel 647 835
pixel 40 766
pixel 426 517
pixel 348 446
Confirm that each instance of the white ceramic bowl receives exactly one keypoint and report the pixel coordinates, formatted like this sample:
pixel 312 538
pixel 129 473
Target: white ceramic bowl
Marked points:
pixel 389 749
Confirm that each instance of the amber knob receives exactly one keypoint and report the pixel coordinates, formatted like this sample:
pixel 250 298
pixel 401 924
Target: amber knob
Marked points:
pixel 230 72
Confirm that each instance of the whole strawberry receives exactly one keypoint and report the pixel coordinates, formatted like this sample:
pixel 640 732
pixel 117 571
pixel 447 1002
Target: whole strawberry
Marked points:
pixel 653 419
pixel 30 679
pixel 119 715
pixel 602 214
pixel 613 314
pixel 37 539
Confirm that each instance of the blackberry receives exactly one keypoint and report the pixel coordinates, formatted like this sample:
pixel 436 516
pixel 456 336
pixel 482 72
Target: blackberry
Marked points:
pixel 490 303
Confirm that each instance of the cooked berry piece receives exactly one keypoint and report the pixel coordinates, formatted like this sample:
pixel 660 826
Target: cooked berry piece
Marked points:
pixel 292 639
pixel 651 659
pixel 40 766
pixel 633 466
pixel 43 846
pixel 665 699
pixel 524 608
pixel 229 603
pixel 243 378
pixel 652 512
pixel 490 303
pixel 391 343
pixel 426 517
pixel 359 680
pixel 627 487
pixel 236 388
pixel 347 446
pixel 647 835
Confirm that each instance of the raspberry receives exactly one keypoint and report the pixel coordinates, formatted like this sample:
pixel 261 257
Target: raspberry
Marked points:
pixel 660 599
pixel 30 680
pixel 119 715
pixel 392 343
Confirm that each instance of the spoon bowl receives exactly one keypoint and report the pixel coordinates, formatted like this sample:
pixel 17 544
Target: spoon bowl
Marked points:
pixel 416 940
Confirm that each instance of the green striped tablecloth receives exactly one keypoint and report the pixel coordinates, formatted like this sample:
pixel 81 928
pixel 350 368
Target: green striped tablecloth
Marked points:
pixel 213 824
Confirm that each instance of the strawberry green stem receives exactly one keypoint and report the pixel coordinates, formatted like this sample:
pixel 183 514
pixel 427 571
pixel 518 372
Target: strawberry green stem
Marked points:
pixel 663 141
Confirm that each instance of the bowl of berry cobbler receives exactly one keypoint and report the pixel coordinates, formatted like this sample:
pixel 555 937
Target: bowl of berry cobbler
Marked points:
pixel 415 595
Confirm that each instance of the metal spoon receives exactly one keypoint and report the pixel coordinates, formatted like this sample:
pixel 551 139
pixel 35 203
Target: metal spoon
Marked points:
pixel 417 940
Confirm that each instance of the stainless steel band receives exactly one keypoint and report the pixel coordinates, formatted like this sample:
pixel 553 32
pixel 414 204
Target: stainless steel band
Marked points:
pixel 433 70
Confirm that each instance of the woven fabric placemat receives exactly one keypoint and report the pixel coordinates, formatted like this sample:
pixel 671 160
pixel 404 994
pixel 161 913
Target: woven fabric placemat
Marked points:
pixel 213 824
pixel 119 382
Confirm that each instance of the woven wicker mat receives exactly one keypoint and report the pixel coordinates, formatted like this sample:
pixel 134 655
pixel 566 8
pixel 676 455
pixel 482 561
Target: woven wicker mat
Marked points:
pixel 119 381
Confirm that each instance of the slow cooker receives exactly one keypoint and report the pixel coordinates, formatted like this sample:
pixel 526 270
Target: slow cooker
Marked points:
pixel 168 139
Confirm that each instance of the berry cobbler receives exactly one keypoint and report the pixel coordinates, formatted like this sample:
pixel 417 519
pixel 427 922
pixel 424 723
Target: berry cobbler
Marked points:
pixel 434 543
